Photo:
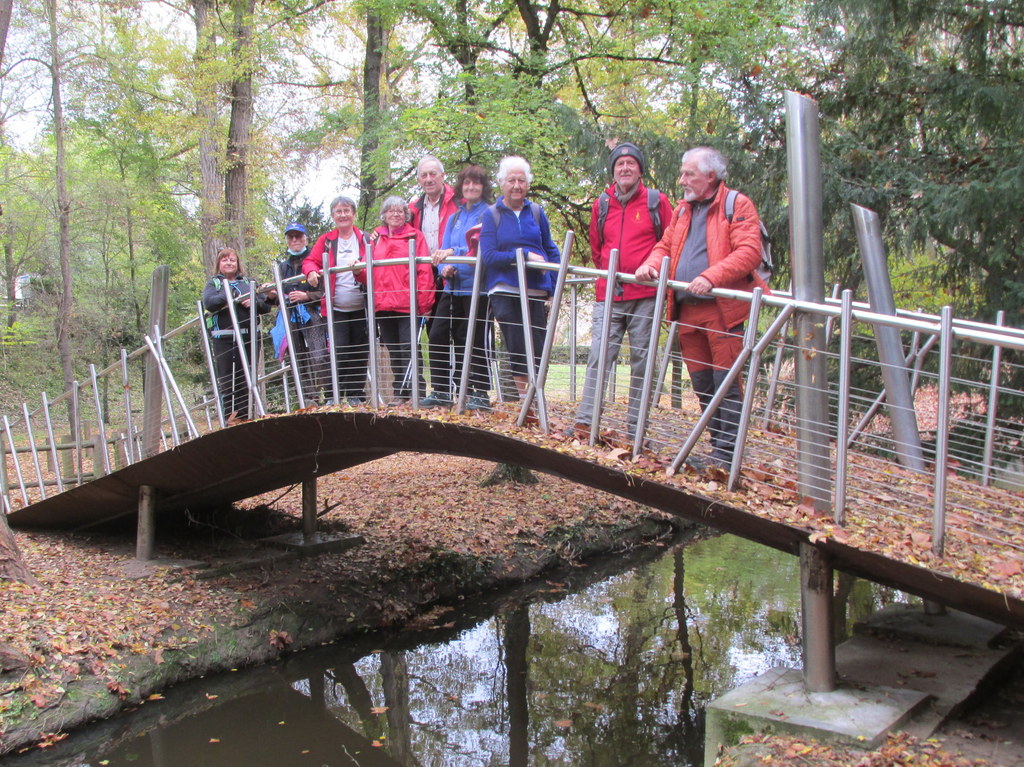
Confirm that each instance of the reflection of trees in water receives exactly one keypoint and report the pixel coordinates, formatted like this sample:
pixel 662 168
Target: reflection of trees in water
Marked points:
pixel 618 673
pixel 395 677
pixel 517 675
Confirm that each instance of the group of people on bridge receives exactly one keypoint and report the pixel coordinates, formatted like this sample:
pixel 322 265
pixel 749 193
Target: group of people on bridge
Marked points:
pixel 453 230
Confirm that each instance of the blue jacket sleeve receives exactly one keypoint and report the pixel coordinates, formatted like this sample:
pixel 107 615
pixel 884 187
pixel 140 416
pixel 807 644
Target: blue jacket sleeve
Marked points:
pixel 491 254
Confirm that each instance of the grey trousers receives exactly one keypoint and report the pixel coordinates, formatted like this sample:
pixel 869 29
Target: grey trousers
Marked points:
pixel 629 318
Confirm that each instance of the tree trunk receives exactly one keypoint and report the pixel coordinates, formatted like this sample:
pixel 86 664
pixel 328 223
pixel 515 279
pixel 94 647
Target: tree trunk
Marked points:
pixel 509 473
pixel 211 178
pixel 517 668
pixel 373 68
pixel 65 302
pixel 12 565
pixel 240 126
pixel 6 11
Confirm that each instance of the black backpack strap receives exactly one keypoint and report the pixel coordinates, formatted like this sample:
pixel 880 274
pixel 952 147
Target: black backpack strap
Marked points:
pixel 653 203
pixel 603 202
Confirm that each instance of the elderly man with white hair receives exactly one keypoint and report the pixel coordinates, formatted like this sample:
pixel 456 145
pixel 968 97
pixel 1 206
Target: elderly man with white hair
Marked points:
pixel 514 222
pixel 432 209
pixel 709 249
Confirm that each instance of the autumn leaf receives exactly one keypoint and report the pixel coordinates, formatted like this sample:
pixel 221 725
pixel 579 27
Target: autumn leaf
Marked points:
pixel 280 640
pixel 563 723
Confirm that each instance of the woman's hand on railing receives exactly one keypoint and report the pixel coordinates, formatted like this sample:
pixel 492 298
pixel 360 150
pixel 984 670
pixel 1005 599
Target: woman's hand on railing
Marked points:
pixel 440 255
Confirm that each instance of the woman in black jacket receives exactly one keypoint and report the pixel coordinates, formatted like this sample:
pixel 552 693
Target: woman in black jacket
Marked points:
pixel 227 357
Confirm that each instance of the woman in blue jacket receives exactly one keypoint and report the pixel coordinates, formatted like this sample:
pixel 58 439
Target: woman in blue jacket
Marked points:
pixel 514 222
pixel 450 323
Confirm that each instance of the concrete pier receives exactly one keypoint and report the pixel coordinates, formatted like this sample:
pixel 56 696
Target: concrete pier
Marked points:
pixel 902 670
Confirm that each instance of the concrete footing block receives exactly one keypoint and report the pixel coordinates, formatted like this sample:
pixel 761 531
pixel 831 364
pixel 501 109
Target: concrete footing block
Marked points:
pixel 317 543
pixel 953 629
pixel 778 702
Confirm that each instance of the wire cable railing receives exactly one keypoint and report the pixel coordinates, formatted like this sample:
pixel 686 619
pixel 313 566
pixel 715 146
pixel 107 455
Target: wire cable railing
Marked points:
pixel 964 376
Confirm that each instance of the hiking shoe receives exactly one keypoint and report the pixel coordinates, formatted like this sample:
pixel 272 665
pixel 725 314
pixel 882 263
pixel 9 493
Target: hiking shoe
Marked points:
pixel 478 401
pixel 580 431
pixel 436 399
pixel 704 463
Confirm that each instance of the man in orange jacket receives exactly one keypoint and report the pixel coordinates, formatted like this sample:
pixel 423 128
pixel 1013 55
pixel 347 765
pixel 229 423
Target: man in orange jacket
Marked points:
pixel 707 251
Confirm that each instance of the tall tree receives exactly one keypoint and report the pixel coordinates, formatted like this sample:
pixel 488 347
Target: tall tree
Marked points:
pixel 65 302
pixel 922 104
pixel 236 176
pixel 373 107
pixel 6 11
pixel 211 178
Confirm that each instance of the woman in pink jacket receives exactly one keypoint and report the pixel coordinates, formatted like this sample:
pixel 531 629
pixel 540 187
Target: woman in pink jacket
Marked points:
pixel 391 291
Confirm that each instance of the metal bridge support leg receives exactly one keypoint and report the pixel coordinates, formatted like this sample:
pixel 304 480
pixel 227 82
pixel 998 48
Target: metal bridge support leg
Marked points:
pixel 145 536
pixel 818 628
pixel 309 507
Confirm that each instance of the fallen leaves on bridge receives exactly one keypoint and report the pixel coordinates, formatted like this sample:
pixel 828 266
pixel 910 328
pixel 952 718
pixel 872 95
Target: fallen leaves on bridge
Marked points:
pixel 889 507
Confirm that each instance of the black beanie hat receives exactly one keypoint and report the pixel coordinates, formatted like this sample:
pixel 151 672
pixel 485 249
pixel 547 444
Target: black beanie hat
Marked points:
pixel 627 149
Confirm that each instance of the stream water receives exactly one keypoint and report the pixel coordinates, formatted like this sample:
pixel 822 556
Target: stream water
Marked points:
pixel 611 664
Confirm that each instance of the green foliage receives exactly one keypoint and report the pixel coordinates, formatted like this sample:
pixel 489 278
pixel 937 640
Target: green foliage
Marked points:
pixel 925 128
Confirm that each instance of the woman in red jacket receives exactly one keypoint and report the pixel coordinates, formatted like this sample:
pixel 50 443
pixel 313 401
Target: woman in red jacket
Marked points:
pixel 391 291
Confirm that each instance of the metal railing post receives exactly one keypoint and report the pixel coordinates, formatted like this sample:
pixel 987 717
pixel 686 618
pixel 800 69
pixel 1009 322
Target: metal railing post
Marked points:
pixel 53 445
pixel 371 328
pixel 100 446
pixel 536 388
pixel 993 404
pixel 777 326
pixel 843 414
pixel 293 362
pixel 531 369
pixel 942 435
pixel 647 393
pixel 803 160
pixel 899 398
pixel 32 447
pixel 723 388
pixel 211 368
pixel 413 370
pixel 126 387
pixel 471 330
pixel 248 364
pixel 602 358
pixel 328 279
pixel 17 461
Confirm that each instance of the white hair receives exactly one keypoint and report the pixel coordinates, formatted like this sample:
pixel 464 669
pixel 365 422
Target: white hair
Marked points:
pixel 511 163
pixel 708 159
pixel 394 201
pixel 429 158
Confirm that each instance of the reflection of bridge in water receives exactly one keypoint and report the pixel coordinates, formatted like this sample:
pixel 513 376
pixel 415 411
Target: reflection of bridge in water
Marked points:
pixel 882 442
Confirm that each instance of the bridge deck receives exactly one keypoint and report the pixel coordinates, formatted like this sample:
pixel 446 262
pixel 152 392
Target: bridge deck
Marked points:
pixel 885 540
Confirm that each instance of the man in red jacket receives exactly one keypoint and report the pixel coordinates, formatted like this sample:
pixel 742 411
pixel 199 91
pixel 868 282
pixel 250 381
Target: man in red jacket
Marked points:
pixel 707 250
pixel 630 218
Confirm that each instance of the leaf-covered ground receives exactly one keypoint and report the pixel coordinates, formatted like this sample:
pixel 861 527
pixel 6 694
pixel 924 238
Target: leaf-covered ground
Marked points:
pixel 430 530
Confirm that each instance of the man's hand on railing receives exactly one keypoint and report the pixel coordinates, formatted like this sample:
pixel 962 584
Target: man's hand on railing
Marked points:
pixel 700 286
pixel 645 272
pixel 313 278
